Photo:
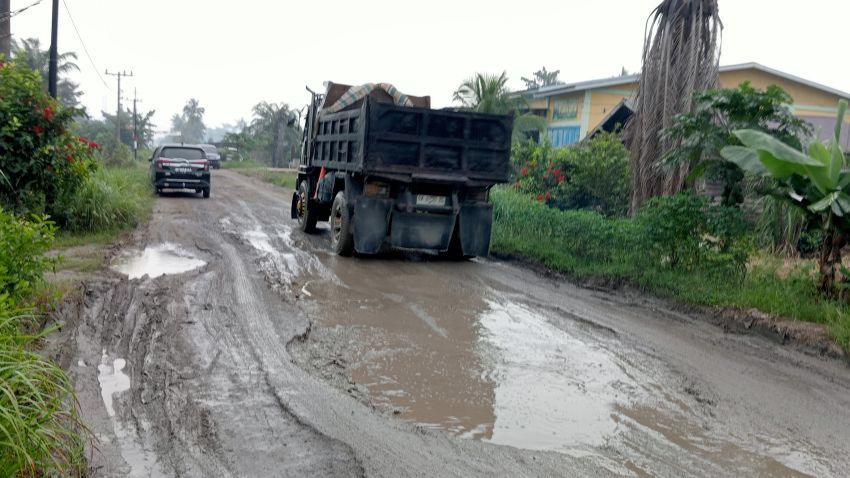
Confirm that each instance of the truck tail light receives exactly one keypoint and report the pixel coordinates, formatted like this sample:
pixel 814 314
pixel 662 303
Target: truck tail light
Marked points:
pixel 160 164
pixel 376 189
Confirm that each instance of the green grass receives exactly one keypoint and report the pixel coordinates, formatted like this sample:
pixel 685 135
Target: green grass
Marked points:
pixel 247 164
pixel 587 245
pixel 111 201
pixel 260 171
pixel 39 424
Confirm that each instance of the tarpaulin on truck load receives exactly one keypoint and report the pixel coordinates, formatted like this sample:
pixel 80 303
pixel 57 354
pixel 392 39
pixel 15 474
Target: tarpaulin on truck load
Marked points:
pixel 357 93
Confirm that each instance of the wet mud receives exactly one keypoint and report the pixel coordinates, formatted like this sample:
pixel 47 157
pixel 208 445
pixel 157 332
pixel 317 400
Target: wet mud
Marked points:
pixel 264 355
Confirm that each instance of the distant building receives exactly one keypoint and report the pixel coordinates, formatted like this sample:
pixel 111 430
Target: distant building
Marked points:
pixel 577 110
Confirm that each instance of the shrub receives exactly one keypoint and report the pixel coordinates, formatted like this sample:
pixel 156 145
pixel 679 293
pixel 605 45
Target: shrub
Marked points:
pixel 593 174
pixel 39 158
pixel 683 232
pixel 22 247
pixel 110 199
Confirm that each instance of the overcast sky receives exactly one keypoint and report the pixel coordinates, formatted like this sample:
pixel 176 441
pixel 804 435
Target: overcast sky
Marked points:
pixel 231 55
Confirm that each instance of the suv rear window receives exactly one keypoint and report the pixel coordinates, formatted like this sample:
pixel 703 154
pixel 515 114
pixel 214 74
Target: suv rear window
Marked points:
pixel 182 153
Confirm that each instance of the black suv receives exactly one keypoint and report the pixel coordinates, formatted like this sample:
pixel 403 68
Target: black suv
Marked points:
pixel 212 155
pixel 177 166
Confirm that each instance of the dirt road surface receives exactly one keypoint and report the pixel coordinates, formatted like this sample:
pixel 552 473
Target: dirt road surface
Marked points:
pixel 261 354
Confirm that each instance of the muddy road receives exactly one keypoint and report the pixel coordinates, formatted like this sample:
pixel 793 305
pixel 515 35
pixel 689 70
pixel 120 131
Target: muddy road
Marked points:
pixel 225 343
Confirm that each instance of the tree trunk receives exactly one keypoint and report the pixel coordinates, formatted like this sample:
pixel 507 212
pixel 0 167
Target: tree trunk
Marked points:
pixel 5 30
pixel 829 262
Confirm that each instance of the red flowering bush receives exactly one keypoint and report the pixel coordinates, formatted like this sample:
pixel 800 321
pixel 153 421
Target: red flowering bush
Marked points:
pixel 593 174
pixel 40 159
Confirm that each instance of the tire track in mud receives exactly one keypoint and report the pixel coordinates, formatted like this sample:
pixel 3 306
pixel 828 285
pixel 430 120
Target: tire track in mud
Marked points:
pixel 200 403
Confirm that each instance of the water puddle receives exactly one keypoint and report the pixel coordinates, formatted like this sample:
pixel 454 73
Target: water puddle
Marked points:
pixel 113 381
pixel 437 347
pixel 552 391
pixel 158 260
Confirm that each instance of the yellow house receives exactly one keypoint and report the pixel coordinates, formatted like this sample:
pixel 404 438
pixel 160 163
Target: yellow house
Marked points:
pixel 577 109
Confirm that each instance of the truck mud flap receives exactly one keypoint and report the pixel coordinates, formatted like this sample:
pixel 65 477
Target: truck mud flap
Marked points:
pixel 476 224
pixel 371 218
pixel 421 231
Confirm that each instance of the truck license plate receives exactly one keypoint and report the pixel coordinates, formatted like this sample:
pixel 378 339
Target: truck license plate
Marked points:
pixel 428 200
pixel 182 170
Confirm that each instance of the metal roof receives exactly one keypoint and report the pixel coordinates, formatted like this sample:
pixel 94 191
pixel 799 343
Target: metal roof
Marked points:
pixel 553 90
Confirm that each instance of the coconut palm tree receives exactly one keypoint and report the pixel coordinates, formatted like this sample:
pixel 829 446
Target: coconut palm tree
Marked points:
pixel 28 52
pixel 542 77
pixel 681 56
pixel 190 124
pixel 276 125
pixel 488 93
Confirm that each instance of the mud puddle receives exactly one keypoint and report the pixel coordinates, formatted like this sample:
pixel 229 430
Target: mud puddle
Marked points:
pixel 155 261
pixel 446 351
pixel 113 382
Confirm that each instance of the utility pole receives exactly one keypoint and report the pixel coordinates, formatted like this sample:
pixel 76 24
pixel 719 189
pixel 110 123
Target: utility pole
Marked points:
pixel 54 51
pixel 118 111
pixel 135 126
pixel 5 29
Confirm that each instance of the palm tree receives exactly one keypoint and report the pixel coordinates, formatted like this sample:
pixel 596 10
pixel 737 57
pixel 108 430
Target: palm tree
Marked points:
pixel 28 52
pixel 488 93
pixel 275 124
pixel 190 124
pixel 681 56
pixel 542 77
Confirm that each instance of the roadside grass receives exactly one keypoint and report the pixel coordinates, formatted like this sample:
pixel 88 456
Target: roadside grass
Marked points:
pixel 585 245
pixel 282 178
pixel 112 200
pixel 247 164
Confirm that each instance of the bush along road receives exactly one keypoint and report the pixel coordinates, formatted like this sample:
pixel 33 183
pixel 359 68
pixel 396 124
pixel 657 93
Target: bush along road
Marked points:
pixel 223 342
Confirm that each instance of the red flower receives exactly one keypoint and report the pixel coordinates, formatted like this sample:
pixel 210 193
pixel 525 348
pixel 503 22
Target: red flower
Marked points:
pixel 49 168
pixel 38 129
pixel 94 145
pixel 48 113
pixel 557 172
pixel 68 146
pixel 540 197
pixel 525 171
pixel 69 158
pixel 561 179
pixel 548 195
pixel 83 139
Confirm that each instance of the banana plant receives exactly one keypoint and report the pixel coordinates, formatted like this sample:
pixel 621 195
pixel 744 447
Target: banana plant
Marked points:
pixel 814 180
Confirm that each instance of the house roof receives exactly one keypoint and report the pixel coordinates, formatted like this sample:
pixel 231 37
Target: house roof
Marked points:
pixel 554 90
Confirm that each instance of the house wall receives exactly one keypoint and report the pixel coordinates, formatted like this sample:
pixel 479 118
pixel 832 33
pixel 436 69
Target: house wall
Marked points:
pixel 811 104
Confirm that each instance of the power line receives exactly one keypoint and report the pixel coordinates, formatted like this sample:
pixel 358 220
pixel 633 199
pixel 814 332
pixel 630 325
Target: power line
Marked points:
pixel 80 37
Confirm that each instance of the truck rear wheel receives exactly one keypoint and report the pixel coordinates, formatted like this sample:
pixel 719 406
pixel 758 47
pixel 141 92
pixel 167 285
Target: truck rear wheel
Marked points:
pixel 342 238
pixel 307 217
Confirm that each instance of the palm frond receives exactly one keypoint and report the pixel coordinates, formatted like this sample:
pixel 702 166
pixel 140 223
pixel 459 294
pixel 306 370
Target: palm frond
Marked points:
pixel 680 57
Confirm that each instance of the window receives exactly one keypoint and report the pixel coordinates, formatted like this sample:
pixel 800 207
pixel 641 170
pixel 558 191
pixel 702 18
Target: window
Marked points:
pixel 565 109
pixel 182 153
pixel 564 136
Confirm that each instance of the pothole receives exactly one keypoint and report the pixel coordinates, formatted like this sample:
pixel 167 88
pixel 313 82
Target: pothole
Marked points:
pixel 155 261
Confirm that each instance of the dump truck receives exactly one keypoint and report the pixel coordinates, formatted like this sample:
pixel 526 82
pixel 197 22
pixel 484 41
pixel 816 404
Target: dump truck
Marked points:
pixel 387 171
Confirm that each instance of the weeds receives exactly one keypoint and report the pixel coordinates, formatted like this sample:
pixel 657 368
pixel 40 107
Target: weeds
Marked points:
pixel 112 199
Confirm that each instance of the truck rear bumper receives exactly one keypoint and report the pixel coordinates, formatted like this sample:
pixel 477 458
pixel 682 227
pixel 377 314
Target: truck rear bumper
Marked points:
pixel 376 221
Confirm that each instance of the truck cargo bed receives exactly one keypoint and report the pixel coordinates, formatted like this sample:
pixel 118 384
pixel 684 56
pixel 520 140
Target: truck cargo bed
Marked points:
pixel 407 141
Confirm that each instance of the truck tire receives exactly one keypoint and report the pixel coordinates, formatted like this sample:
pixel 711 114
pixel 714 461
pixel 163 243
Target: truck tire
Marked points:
pixel 342 238
pixel 307 217
pixel 455 252
pixel 206 193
